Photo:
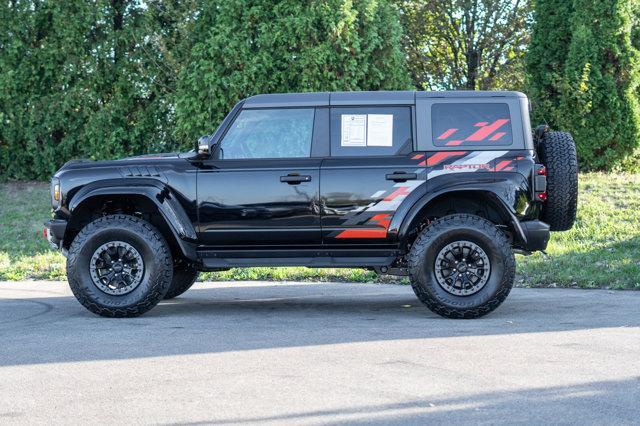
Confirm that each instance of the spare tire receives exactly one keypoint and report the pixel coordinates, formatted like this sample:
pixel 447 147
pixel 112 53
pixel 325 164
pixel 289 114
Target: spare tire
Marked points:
pixel 557 152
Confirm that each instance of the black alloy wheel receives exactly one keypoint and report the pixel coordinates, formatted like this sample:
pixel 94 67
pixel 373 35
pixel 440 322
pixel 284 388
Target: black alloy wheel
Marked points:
pixel 116 268
pixel 462 268
pixel 119 266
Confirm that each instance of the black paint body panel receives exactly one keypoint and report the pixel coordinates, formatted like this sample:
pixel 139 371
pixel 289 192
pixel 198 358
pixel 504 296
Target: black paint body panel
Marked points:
pixel 243 202
pixel 349 207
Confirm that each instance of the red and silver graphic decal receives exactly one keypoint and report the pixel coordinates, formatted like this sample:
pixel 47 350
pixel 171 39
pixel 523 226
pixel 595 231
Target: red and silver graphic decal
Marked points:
pixel 381 220
pixel 486 130
pixel 384 203
pixel 372 220
pixel 485 133
pixel 471 124
pixel 473 162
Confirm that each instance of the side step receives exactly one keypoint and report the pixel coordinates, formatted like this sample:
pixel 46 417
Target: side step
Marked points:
pixel 238 259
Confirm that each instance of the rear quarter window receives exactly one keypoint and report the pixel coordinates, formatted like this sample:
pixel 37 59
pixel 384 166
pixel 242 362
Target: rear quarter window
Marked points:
pixel 471 124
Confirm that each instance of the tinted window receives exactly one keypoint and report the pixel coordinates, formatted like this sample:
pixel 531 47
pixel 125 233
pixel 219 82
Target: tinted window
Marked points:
pixel 471 124
pixel 269 133
pixel 363 131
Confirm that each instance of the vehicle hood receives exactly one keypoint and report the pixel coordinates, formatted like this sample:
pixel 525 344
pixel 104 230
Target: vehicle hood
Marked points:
pixel 75 174
pixel 146 159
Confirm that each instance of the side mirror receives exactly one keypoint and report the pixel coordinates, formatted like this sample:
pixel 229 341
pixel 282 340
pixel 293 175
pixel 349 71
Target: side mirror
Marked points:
pixel 203 146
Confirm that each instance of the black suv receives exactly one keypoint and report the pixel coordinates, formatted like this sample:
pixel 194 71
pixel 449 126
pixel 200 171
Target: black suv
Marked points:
pixel 441 186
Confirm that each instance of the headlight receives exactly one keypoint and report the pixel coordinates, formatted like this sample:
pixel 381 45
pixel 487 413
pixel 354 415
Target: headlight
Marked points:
pixel 56 195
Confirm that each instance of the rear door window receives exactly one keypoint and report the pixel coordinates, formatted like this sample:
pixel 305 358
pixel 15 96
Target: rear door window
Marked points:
pixel 370 131
pixel 471 124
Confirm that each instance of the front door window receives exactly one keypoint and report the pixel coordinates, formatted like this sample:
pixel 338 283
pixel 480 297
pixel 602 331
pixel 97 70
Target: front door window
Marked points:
pixel 269 133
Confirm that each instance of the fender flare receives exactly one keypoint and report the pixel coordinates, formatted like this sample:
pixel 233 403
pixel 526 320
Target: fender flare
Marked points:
pixel 401 224
pixel 155 191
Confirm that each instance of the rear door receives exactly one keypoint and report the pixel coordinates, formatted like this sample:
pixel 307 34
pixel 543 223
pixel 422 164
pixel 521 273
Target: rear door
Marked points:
pixel 371 170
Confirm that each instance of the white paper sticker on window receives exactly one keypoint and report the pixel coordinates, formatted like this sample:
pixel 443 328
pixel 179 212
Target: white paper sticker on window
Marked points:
pixel 354 130
pixel 380 130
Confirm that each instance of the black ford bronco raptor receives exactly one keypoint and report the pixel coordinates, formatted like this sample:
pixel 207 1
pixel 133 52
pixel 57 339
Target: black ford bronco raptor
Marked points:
pixel 441 186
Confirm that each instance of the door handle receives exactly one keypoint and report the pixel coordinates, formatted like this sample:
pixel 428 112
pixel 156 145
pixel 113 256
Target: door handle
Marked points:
pixel 292 179
pixel 401 176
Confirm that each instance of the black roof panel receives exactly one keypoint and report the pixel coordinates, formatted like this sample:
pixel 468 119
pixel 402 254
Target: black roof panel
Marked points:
pixel 373 98
pixel 471 94
pixel 364 98
pixel 288 99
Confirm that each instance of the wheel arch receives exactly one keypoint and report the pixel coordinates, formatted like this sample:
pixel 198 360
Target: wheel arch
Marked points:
pixel 154 200
pixel 440 203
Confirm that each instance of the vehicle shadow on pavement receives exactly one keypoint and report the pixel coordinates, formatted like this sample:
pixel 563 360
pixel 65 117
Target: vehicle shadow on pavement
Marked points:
pixel 595 402
pixel 246 317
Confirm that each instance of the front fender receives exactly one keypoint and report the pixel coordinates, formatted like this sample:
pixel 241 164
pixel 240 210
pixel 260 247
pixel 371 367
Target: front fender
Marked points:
pixel 155 191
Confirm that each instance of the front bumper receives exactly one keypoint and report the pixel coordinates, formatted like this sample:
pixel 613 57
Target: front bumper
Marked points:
pixel 53 231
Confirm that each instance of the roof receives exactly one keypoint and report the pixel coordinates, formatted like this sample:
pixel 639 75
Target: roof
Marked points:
pixel 364 98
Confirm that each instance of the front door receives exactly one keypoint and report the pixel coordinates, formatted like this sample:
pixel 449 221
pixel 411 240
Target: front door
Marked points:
pixel 263 189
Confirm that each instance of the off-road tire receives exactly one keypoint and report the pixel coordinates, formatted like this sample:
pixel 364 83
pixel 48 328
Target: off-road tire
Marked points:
pixel 153 248
pixel 446 230
pixel 184 276
pixel 557 152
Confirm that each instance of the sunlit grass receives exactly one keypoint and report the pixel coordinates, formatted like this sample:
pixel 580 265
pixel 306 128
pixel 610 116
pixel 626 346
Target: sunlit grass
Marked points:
pixel 602 250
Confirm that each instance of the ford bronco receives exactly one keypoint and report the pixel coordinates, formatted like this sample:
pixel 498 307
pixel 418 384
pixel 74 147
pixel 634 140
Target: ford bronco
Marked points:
pixel 443 187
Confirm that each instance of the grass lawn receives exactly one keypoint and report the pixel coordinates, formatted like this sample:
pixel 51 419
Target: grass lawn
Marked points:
pixel 602 250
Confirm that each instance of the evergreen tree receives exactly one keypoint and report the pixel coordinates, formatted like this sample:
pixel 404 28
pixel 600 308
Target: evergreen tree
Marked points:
pixel 79 79
pixel 599 100
pixel 546 57
pixel 267 46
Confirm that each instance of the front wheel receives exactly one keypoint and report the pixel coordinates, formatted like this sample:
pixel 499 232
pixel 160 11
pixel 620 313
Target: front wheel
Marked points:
pixel 119 266
pixel 461 266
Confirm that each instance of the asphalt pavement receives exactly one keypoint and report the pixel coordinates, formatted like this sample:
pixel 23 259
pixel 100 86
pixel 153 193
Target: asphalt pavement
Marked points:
pixel 237 353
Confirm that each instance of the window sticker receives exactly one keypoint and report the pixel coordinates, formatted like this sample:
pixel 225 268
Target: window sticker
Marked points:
pixel 354 130
pixel 380 130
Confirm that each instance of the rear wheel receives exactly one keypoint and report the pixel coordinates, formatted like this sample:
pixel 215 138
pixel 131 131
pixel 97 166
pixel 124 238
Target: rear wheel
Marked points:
pixel 119 266
pixel 557 152
pixel 184 276
pixel 461 266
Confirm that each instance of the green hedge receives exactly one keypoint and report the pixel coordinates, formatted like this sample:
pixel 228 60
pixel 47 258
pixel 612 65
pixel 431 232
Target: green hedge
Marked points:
pixel 112 78
pixel 584 76
pixel 108 79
